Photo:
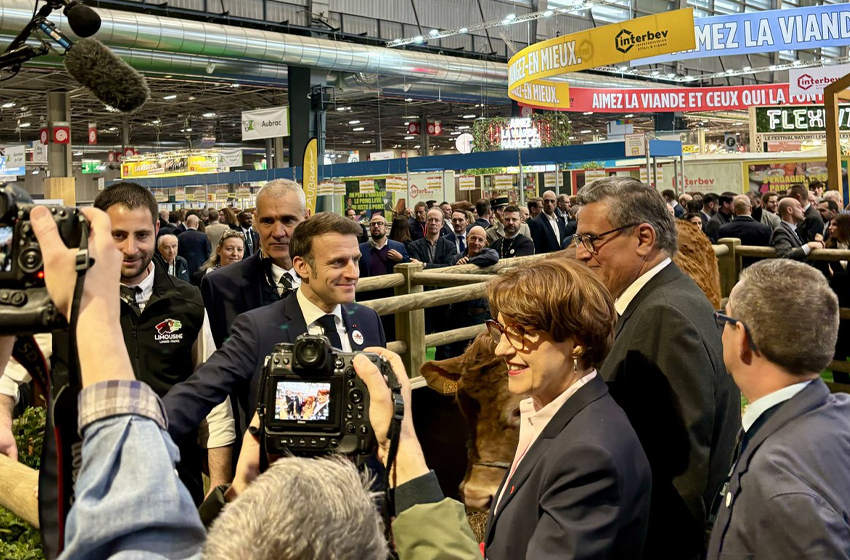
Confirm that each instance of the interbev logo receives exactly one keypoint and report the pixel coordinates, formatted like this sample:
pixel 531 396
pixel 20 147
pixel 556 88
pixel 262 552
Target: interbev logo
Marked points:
pixel 625 40
pixel 806 82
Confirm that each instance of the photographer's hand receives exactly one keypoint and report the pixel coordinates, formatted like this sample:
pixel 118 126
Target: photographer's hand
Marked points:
pixel 410 462
pixel 103 355
pixel 248 467
pixel 8 447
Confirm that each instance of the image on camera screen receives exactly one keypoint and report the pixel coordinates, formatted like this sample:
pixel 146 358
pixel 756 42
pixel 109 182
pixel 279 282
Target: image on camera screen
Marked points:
pixel 5 249
pixel 302 400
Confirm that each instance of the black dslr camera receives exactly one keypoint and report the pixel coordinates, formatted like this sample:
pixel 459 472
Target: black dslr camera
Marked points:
pixel 25 306
pixel 312 402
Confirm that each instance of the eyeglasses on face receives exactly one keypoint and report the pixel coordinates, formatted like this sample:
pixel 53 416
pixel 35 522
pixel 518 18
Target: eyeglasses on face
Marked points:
pixel 588 240
pixel 721 319
pixel 516 336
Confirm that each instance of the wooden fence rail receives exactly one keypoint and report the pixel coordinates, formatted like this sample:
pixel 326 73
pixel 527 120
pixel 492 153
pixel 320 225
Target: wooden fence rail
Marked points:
pixel 467 282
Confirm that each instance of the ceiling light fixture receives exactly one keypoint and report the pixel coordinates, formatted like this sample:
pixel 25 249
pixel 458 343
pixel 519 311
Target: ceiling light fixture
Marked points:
pixel 409 137
pixel 8 105
pixel 353 122
pixel 358 129
pixel 469 116
pixel 170 97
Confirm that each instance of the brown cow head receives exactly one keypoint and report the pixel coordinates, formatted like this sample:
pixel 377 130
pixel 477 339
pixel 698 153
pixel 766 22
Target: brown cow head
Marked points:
pixel 479 380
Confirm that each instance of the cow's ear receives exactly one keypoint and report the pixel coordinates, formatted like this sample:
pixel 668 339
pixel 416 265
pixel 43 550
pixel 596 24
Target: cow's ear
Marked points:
pixel 442 375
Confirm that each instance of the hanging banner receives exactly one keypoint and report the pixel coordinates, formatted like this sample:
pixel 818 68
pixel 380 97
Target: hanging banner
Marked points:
pixel 396 184
pixel 170 166
pixel 601 46
pixel 810 118
pixel 160 195
pixel 812 81
pixel 326 188
pixel 367 186
pixel 778 175
pixel 339 187
pixel 243 192
pixel 13 160
pixel 92 133
pixel 594 174
pixel 502 182
pixel 434 182
pixel 635 145
pixel 674 100
pixel 789 29
pixel 550 180
pixel 39 152
pixel 466 183
pixel 179 194
pixel 229 158
pixel 265 123
pixel 310 178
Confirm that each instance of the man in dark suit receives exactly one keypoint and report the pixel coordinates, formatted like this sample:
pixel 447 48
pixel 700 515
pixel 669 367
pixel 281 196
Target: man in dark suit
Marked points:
pixel 460 225
pixel 745 228
pixel 433 250
pixel 786 239
pixel 194 246
pixel 812 224
pixel 246 226
pixel 482 209
pixel 670 199
pixel 175 264
pixel 547 230
pixel 267 275
pixel 666 365
pixel 325 255
pixel 416 224
pixel 788 494
pixel 722 216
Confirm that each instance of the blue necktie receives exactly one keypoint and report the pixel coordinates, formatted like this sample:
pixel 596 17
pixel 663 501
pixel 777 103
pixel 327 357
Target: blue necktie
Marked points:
pixel 461 245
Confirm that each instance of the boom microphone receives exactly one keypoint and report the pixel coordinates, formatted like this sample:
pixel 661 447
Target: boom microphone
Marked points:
pixel 108 77
pixel 83 20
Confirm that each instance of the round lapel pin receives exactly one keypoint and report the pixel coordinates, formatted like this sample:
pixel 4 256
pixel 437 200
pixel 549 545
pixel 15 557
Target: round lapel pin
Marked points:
pixel 357 337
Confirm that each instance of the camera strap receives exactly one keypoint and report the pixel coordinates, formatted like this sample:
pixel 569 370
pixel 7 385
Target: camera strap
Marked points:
pixel 61 454
pixel 394 435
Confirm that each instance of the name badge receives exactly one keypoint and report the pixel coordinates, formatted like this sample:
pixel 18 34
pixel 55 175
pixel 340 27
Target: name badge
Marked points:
pixel 357 337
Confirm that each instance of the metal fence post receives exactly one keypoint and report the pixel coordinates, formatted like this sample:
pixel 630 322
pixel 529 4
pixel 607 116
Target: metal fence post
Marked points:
pixel 410 325
pixel 729 265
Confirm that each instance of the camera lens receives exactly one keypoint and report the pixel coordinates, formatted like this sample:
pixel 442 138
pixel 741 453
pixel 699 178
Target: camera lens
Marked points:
pixel 309 353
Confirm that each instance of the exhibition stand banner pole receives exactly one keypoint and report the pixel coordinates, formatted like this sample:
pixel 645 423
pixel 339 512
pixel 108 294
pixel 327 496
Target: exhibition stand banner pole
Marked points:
pixel 602 46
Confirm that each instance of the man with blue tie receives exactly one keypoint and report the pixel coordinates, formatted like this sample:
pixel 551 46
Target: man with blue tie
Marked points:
pixel 458 235
pixel 325 255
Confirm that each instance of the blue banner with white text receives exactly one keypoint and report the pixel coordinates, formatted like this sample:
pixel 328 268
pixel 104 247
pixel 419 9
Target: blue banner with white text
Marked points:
pixel 768 31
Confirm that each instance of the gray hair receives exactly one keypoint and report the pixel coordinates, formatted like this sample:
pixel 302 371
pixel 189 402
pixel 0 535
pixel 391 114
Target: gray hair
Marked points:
pixel 162 240
pixel 301 509
pixel 279 188
pixel 629 201
pixel 772 325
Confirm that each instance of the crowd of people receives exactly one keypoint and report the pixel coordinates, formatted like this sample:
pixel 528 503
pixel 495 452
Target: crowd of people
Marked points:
pixel 632 442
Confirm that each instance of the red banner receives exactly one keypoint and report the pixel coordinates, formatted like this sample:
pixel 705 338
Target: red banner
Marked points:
pixel 681 99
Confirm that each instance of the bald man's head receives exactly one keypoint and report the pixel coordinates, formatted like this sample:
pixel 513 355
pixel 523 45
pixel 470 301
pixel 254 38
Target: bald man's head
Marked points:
pixel 192 222
pixel 476 240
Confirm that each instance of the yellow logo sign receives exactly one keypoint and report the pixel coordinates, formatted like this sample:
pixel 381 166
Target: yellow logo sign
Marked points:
pixel 611 44
pixel 310 178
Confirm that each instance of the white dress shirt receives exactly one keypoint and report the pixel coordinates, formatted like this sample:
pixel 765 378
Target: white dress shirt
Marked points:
pixel 634 289
pixel 759 406
pixel 553 222
pixel 312 314
pixel 532 422
pixel 278 272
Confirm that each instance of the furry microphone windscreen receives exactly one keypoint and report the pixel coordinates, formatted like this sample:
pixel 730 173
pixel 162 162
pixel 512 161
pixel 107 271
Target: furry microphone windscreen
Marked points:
pixel 108 77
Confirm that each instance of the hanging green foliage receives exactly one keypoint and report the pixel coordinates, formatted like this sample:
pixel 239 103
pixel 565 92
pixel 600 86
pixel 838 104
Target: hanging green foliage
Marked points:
pixel 554 131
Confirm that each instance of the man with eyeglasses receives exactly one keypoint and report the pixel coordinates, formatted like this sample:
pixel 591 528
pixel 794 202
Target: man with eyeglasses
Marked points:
pixel 379 256
pixel 665 368
pixel 788 493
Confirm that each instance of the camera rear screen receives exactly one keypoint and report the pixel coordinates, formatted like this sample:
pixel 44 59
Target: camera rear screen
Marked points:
pixel 5 249
pixel 302 401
